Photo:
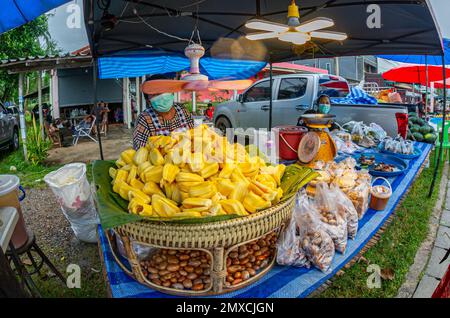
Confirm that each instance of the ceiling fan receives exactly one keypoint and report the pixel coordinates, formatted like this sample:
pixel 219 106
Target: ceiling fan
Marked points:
pixel 194 80
pixel 294 31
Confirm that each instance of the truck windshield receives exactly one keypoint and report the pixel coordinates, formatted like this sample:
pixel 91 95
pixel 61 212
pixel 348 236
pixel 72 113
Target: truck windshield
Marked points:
pixel 333 86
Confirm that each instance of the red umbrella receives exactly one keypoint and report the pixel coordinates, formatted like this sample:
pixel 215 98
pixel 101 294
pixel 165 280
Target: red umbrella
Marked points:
pixel 415 74
pixel 440 84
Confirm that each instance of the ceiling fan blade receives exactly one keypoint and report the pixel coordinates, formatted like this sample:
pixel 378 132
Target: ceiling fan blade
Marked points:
pixel 262 36
pixel 315 24
pixel 238 84
pixel 329 35
pixel 196 85
pixel 162 86
pixel 263 25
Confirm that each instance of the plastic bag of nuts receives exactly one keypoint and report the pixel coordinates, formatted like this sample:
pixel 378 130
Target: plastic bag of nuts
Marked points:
pixel 344 204
pixel 333 218
pixel 289 250
pixel 178 269
pixel 245 261
pixel 317 244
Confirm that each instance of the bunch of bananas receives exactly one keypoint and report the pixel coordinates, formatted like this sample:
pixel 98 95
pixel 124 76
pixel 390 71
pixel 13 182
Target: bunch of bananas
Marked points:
pixel 193 174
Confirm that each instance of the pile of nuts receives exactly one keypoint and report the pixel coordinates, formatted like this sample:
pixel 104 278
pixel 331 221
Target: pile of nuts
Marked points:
pixel 246 260
pixel 179 269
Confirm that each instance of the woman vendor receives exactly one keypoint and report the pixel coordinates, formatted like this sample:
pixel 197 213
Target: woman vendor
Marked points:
pixel 161 117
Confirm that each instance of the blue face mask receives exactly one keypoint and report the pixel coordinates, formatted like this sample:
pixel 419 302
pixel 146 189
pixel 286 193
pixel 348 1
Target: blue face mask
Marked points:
pixel 324 108
pixel 162 103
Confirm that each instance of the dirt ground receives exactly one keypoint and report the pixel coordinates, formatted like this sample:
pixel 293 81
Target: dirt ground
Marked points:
pixel 54 235
pixel 117 140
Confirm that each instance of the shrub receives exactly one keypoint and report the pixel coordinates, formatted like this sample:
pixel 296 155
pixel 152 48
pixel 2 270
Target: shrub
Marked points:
pixel 37 147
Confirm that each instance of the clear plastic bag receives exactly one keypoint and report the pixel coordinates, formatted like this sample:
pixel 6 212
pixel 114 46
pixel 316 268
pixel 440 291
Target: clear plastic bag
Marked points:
pixel 71 188
pixel 333 220
pixel 360 198
pixel 317 244
pixel 379 133
pixel 358 131
pixel 289 250
pixel 345 204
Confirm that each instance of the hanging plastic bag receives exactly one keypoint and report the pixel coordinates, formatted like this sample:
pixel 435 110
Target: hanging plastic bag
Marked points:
pixel 317 244
pixel 345 204
pixel 289 250
pixel 333 219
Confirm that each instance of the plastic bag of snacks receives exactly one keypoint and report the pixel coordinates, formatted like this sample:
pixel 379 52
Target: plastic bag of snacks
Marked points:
pixel 317 244
pixel 346 205
pixel 333 219
pixel 378 131
pixel 289 251
pixel 360 198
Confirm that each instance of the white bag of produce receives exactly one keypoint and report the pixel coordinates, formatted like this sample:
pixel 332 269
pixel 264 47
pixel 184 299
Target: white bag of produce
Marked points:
pixel 73 193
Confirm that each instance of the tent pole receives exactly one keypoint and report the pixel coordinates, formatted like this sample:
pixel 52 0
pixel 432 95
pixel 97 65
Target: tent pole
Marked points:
pixel 271 94
pixel 97 115
pixel 426 87
pixel 444 130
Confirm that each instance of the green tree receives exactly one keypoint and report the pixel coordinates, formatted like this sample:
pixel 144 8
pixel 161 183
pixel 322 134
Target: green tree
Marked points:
pixel 31 39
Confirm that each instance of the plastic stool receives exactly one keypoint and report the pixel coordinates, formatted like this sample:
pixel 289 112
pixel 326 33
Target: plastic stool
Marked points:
pixel 445 143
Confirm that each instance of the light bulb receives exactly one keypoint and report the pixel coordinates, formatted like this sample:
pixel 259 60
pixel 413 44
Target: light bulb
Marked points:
pixel 315 24
pixel 294 37
pixel 329 35
pixel 265 26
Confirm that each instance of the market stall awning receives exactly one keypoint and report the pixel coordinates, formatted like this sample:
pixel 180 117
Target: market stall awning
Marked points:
pixel 145 63
pixel 415 74
pixel 15 13
pixel 422 59
pixel 406 27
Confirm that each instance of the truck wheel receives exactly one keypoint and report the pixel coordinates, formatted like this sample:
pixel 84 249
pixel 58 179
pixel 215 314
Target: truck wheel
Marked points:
pixel 14 145
pixel 222 123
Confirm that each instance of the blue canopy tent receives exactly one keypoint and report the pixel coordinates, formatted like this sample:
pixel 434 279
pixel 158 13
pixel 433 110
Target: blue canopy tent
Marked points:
pixel 130 26
pixel 15 13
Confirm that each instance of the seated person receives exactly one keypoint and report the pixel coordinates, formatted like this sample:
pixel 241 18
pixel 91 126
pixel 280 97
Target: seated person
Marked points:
pixel 321 106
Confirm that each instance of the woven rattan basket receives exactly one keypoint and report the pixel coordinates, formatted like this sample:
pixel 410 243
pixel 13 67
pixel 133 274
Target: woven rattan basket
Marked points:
pixel 216 241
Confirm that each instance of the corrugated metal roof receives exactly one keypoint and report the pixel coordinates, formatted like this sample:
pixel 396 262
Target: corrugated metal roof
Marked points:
pixel 84 52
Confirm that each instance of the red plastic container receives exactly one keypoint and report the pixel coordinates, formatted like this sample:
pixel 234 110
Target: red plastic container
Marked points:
pixel 288 139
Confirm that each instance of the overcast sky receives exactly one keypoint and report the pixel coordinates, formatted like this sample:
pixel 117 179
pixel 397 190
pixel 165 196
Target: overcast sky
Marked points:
pixel 70 40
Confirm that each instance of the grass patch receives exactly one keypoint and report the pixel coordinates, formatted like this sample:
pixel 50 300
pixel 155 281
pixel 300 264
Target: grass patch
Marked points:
pixel 92 284
pixel 398 244
pixel 31 176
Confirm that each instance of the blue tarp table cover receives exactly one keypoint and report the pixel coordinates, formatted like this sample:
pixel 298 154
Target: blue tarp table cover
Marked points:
pixel 14 13
pixel 281 281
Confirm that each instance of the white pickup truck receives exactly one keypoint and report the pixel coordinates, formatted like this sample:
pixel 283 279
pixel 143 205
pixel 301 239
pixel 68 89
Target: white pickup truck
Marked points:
pixel 296 93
